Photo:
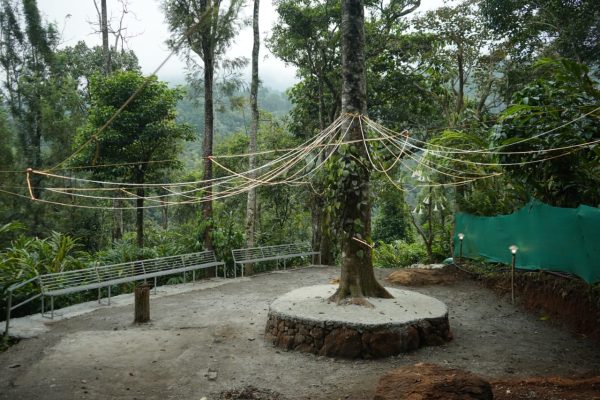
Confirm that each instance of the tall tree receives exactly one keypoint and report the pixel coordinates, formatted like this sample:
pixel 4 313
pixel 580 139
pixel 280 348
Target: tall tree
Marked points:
pixel 208 27
pixel 32 83
pixel 307 36
pixel 462 50
pixel 357 278
pixel 251 204
pixel 118 225
pixel 144 132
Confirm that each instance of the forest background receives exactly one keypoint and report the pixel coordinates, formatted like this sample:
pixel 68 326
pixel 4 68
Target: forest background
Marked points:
pixel 471 75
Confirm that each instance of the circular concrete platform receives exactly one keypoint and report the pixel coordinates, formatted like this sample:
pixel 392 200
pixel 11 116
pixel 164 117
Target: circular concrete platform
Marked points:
pixel 304 320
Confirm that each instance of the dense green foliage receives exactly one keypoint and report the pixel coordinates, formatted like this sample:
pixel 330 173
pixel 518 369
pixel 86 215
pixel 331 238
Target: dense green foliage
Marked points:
pixel 142 143
pixel 563 92
pixel 398 254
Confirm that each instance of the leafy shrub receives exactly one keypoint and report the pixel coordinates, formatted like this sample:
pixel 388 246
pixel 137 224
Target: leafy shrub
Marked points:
pixel 122 251
pixel 398 254
pixel 28 257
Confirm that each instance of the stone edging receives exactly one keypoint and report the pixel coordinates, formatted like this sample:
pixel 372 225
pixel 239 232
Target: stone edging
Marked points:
pixel 336 339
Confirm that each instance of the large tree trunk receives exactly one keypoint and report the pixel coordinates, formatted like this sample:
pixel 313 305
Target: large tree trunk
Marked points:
pixel 207 144
pixel 357 278
pixel 251 203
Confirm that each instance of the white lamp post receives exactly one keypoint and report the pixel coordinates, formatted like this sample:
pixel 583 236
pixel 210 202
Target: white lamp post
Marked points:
pixel 513 250
pixel 461 236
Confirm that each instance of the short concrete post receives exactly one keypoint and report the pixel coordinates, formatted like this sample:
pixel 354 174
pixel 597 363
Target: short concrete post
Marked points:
pixel 142 303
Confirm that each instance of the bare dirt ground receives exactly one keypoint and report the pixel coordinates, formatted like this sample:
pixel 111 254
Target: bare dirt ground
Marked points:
pixel 206 342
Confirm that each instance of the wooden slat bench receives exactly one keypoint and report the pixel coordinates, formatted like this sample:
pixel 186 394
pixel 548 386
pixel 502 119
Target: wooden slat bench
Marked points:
pixel 281 252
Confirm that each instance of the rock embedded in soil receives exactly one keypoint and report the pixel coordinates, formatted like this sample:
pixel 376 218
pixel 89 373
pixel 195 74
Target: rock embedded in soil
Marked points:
pixel 432 382
pixel 304 320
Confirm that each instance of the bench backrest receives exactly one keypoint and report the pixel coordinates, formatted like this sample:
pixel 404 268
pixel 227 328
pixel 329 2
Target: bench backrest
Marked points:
pixel 96 276
pixel 271 252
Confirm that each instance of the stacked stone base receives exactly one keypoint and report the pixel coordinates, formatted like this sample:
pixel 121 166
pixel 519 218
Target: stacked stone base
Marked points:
pixel 335 339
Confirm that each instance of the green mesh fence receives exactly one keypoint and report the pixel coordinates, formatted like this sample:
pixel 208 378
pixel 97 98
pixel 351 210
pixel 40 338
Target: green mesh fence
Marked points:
pixel 548 238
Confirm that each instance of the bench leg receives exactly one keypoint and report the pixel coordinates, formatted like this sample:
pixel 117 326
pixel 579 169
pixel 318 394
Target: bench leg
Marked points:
pixel 43 308
pixel 184 277
pixel 155 285
pixel 51 307
pixel 193 276
pixel 99 295
pixel 284 265
pixel 109 295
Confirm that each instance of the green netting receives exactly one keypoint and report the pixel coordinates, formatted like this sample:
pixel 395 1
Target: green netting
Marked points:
pixel 548 238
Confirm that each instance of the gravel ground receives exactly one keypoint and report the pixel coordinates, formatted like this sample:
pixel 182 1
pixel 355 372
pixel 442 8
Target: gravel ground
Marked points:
pixel 209 341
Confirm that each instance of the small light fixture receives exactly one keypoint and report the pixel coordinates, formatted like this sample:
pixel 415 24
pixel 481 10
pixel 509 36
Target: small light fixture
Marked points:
pixel 461 236
pixel 513 249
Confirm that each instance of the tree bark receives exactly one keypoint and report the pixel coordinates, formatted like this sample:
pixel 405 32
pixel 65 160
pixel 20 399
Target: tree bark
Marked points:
pixel 207 145
pixel 357 278
pixel 251 203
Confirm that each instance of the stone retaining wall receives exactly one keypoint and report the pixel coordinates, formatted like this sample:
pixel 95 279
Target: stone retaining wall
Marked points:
pixel 345 341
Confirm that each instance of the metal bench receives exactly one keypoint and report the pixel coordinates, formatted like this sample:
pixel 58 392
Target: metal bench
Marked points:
pixel 105 276
pixel 281 252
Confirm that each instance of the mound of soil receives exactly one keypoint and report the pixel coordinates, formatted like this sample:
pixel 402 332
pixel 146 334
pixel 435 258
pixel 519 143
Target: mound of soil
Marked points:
pixel 432 382
pixel 548 388
pixel 423 277
pixel 249 393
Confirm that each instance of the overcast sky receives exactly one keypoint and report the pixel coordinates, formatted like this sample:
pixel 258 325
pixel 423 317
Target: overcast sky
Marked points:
pixel 146 24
